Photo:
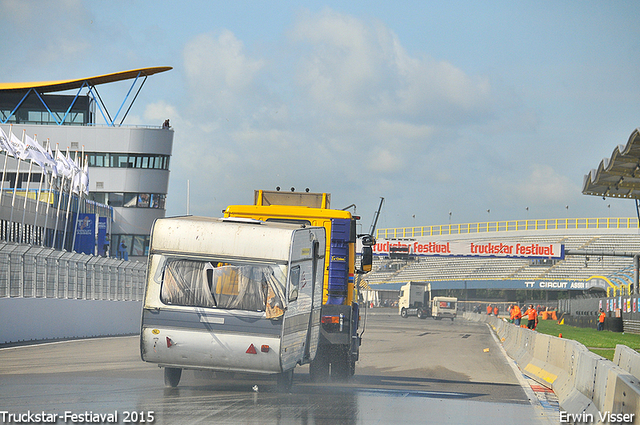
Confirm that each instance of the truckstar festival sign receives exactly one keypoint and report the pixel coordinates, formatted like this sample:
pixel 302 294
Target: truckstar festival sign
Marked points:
pixel 469 249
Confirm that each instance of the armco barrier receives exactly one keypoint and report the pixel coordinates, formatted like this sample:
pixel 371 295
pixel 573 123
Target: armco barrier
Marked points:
pixel 584 382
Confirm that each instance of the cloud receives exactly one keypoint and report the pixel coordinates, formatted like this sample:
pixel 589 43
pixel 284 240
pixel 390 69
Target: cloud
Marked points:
pixel 358 69
pixel 220 76
pixel 544 186
pixel 345 108
pixel 159 111
pixel 62 44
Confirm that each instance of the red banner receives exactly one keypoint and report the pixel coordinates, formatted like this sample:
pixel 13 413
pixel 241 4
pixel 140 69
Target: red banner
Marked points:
pixel 470 249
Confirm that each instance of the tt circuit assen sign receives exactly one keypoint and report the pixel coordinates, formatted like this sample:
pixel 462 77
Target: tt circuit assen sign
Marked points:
pixel 469 249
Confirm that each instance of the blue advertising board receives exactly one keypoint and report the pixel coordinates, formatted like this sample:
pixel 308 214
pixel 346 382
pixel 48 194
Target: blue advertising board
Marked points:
pixel 85 233
pixel 103 246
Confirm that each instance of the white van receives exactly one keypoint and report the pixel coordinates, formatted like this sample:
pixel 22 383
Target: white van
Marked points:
pixel 232 295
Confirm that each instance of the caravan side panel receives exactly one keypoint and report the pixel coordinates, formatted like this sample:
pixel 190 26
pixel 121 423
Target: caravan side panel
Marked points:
pixel 302 320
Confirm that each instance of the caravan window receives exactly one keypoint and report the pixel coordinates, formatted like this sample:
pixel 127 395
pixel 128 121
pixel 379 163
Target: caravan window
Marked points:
pixel 222 285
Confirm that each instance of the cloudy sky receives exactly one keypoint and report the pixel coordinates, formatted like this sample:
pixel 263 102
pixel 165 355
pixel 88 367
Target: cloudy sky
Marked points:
pixel 461 110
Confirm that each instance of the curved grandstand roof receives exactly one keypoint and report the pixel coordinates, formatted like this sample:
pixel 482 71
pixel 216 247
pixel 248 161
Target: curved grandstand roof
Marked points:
pixel 62 85
pixel 618 176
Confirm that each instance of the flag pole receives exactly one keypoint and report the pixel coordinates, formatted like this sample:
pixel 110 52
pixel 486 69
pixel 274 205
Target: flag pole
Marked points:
pixel 4 169
pixel 55 231
pixel 46 213
pixel 4 175
pixel 38 193
pixel 26 195
pixel 66 220
pixel 75 227
pixel 15 185
pixel 49 201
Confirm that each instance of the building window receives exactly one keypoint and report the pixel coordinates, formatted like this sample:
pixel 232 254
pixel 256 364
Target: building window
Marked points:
pixel 136 245
pixel 115 199
pixel 123 160
pixel 129 200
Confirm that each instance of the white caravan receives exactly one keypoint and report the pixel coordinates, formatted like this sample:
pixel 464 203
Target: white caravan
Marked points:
pixel 444 307
pixel 235 295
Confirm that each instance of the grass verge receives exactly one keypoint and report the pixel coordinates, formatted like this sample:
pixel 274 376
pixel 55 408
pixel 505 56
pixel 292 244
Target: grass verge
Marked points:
pixel 602 343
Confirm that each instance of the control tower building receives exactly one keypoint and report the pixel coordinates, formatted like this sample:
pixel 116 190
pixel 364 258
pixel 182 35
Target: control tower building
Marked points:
pixel 128 165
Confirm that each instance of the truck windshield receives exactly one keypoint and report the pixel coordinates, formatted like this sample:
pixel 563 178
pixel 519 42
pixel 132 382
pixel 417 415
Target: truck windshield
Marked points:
pixel 222 285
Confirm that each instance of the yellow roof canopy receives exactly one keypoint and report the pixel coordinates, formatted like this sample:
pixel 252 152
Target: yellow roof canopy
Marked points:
pixel 62 85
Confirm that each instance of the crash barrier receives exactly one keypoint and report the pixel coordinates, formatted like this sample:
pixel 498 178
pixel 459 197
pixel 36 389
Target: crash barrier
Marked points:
pixel 585 383
pixel 49 294
pixel 29 271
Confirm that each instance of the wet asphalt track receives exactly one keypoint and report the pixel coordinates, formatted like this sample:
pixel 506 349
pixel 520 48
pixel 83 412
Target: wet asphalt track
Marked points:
pixel 410 371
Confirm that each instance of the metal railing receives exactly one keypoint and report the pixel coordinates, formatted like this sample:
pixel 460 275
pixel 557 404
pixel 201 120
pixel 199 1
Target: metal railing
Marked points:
pixel 509 226
pixel 39 272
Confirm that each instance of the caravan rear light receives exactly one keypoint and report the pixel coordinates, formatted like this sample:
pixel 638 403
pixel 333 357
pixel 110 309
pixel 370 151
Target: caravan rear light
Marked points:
pixel 264 348
pixel 331 319
pixel 251 350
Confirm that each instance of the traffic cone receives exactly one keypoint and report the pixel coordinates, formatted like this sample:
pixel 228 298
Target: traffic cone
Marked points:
pixel 560 336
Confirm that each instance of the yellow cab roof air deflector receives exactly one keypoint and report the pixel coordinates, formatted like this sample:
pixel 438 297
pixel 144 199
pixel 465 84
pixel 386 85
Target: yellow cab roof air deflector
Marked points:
pixel 90 83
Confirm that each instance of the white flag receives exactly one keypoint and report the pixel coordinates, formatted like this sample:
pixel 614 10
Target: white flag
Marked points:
pixel 5 145
pixel 54 164
pixel 75 181
pixel 62 166
pixel 84 178
pixel 18 146
pixel 72 164
pixel 35 152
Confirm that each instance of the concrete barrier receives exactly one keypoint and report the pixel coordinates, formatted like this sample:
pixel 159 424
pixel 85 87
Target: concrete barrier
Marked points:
pixel 584 382
pixel 37 319
pixel 627 359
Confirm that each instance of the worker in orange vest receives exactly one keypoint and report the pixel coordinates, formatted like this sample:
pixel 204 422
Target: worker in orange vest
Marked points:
pixel 516 314
pixel 601 320
pixel 495 311
pixel 532 315
pixel 489 310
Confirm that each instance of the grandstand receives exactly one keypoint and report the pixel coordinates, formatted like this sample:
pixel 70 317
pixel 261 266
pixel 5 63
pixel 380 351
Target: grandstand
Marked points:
pixel 455 272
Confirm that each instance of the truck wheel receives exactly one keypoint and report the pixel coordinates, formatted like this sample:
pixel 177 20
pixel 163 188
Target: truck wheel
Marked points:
pixel 421 315
pixel 285 381
pixel 172 376
pixel 403 313
pixel 319 367
pixel 341 366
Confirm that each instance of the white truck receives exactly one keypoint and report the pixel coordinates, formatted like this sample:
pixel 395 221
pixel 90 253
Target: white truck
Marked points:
pixel 415 300
pixel 233 295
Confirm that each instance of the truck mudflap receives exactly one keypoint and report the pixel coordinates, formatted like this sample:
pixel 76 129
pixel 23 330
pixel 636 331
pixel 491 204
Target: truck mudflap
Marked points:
pixel 339 345
pixel 338 324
